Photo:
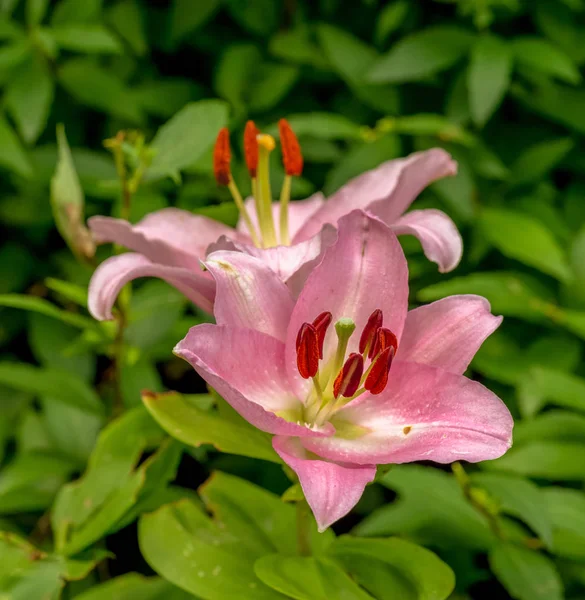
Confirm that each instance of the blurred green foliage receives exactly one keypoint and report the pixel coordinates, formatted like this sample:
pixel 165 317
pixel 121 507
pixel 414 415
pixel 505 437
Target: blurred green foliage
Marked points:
pixel 498 83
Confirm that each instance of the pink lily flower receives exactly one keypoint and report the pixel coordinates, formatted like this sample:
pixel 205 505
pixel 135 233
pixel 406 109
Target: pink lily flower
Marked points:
pixel 384 385
pixel 170 243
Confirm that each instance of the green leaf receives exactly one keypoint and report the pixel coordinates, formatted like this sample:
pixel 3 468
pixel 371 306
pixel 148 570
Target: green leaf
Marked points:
pixel 36 11
pixel 133 586
pixel 154 297
pixel 87 509
pixel 394 568
pixel 44 307
pixel 164 97
pixel 263 522
pixel 126 18
pixel 188 16
pixel 390 20
pixel 351 58
pixel 72 11
pixel 361 158
pixel 307 578
pixel 29 97
pixel 527 575
pixel 560 461
pixel 99 88
pixel 557 425
pixel 430 509
pixel 541 386
pixel 12 154
pixel 272 82
pixel 566 509
pixel 421 54
pixel 257 16
pixel 60 385
pixel 541 55
pixel 488 76
pixel 88 39
pixel 30 481
pixel 519 498
pixel 521 237
pixel 559 24
pixel 297 45
pixel 27 573
pixel 322 125
pixel 70 291
pixel 188 423
pixel 186 137
pixel 182 544
pixel 510 294
pixel 429 124
pixel 535 162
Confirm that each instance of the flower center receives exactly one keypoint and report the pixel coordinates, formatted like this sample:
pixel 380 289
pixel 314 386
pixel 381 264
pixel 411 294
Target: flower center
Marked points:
pixel 257 149
pixel 343 379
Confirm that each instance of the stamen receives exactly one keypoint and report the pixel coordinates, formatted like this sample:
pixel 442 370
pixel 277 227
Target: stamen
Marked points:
pixel 344 329
pixel 368 337
pixel 348 380
pixel 221 167
pixel 222 157
pixel 266 144
pixel 293 165
pixel 307 351
pixel 291 149
pixel 377 377
pixel 384 339
pixel 321 324
pixel 251 148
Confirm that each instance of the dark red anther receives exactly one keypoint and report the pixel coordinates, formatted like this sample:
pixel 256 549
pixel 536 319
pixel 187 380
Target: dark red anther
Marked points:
pixel 369 333
pixel 291 149
pixel 251 147
pixel 384 339
pixel 307 351
pixel 222 156
pixel 321 324
pixel 348 380
pixel 378 376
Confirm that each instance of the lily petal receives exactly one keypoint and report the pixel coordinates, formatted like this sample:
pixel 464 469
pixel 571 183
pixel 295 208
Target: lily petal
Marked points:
pixel 363 271
pixel 299 212
pixel 437 233
pixel 115 272
pixel 331 489
pixel 249 294
pixel 386 191
pixel 448 332
pixel 292 264
pixel 425 413
pixel 246 368
pixel 169 236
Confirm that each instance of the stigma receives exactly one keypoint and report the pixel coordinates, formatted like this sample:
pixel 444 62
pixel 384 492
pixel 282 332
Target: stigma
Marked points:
pixel 257 149
pixel 343 379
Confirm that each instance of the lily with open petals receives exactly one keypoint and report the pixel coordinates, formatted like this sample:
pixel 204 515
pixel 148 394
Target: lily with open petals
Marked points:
pixel 343 376
pixel 170 243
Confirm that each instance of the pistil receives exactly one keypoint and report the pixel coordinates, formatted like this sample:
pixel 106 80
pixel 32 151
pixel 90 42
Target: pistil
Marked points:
pixel 266 145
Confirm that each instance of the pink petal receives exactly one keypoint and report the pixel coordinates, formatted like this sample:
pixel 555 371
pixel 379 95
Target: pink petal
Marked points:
pixel 438 235
pixel 169 236
pixel 425 413
pixel 292 264
pixel 299 212
pixel 447 333
pixel 115 272
pixel 386 191
pixel 364 270
pixel 249 294
pixel 331 489
pixel 246 368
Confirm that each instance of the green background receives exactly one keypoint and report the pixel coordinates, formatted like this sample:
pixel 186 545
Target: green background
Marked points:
pixel 498 83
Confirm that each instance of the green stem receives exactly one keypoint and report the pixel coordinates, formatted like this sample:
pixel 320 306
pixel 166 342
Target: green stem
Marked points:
pixel 303 522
